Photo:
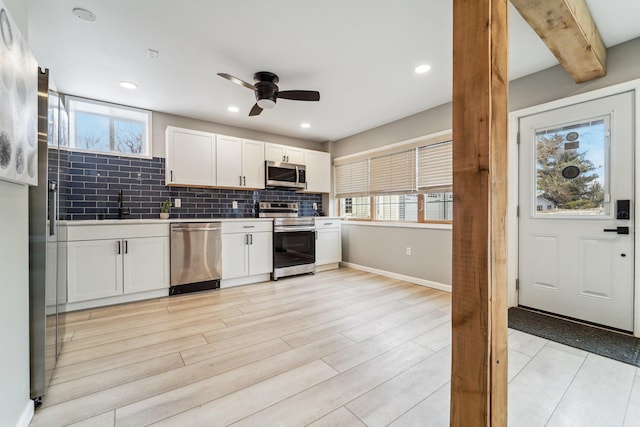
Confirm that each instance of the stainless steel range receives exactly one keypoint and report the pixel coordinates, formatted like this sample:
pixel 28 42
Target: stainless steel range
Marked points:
pixel 294 239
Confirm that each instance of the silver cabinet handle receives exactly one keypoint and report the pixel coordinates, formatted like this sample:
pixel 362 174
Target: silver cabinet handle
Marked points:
pixel 245 180
pixel 246 239
pixel 171 179
pixel 248 226
pixel 240 180
pixel 251 239
pixel 126 246
pixel 119 248
pixel 316 232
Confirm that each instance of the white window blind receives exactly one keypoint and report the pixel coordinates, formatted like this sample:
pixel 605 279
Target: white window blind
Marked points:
pixel 352 179
pixel 435 167
pixel 393 173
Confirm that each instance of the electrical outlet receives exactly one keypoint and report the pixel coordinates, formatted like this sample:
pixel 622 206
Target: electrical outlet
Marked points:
pixel 234 205
pixel 408 251
pixel 177 203
pixel 315 206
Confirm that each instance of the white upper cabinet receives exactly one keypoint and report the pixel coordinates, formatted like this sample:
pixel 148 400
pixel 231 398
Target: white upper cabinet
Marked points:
pixel 240 162
pixel 253 163
pixel 190 157
pixel 229 156
pixel 283 153
pixel 318 171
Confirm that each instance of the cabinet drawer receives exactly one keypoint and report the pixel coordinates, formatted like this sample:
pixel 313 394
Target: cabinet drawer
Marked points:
pixel 246 227
pixel 327 223
pixel 124 231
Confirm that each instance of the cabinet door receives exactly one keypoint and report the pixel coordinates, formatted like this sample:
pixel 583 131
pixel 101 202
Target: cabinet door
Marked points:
pixel 328 246
pixel 295 155
pixel 146 264
pixel 261 253
pixel 274 152
pixel 234 255
pixel 229 161
pixel 191 158
pixel 253 163
pixel 94 269
pixel 318 171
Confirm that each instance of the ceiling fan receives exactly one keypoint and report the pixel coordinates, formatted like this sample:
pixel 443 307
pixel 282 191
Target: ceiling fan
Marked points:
pixel 267 93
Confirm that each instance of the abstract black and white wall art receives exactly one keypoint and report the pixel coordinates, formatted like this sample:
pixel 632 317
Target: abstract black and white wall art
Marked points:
pixel 18 105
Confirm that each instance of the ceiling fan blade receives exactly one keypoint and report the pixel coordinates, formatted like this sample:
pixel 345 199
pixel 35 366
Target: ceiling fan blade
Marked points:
pixel 237 81
pixel 299 95
pixel 255 110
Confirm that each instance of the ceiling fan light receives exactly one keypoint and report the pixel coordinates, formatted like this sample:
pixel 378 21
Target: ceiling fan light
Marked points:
pixel 266 103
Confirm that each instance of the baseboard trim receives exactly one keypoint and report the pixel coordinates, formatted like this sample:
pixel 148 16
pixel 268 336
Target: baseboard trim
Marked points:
pixel 392 275
pixel 27 415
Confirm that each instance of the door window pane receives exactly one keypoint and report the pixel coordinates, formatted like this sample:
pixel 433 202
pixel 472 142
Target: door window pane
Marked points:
pixel 571 169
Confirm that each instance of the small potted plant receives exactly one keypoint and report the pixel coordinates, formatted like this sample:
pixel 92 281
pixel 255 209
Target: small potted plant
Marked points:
pixel 165 207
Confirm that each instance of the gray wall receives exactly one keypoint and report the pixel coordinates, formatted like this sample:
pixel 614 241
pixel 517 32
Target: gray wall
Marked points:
pixel 14 281
pixel 162 120
pixel 383 248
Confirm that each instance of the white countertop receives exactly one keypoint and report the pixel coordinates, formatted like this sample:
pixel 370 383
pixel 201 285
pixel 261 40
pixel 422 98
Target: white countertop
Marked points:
pixel 155 221
pixel 168 221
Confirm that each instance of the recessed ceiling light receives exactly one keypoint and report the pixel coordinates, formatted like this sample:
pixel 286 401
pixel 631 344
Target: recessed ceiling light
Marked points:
pixel 421 69
pixel 128 85
pixel 84 14
pixel 233 109
pixel 305 125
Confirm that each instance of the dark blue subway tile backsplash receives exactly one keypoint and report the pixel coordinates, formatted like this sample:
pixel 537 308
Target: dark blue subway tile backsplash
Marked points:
pixel 89 184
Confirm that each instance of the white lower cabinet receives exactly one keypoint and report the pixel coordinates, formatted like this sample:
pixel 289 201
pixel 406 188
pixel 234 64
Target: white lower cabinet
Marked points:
pixel 114 264
pixel 246 251
pixel 328 243
pixel 94 269
pixel 146 264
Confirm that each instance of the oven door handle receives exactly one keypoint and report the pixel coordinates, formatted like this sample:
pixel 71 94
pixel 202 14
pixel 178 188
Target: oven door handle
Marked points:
pixel 293 228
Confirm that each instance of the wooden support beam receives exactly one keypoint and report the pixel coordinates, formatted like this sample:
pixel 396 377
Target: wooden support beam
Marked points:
pixel 479 312
pixel 567 28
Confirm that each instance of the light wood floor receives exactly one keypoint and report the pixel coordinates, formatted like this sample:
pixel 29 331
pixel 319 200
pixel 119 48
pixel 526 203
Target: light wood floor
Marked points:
pixel 341 348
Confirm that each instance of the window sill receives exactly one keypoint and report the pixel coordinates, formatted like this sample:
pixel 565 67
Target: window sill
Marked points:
pixel 432 226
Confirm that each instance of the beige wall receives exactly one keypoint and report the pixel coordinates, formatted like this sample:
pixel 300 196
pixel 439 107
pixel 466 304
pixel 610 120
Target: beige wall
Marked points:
pixel 162 120
pixel 383 248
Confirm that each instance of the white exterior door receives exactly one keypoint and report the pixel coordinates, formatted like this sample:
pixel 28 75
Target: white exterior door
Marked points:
pixel 575 199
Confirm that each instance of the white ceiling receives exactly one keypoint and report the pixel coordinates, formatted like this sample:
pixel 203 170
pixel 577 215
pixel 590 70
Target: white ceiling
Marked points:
pixel 360 55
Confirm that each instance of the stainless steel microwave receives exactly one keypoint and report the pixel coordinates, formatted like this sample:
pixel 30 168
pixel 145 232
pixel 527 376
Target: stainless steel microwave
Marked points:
pixel 285 175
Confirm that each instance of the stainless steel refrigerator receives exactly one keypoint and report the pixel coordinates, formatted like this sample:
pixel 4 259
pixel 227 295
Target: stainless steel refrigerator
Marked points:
pixel 46 253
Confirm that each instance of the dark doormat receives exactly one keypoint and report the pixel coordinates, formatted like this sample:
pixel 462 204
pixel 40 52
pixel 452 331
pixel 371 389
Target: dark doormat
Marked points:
pixel 614 345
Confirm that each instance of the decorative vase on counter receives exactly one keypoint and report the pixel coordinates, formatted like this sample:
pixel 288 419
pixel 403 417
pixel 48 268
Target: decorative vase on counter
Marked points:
pixel 164 215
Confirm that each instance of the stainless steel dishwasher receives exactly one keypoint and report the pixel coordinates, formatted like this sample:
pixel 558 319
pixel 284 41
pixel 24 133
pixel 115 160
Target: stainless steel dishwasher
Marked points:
pixel 196 261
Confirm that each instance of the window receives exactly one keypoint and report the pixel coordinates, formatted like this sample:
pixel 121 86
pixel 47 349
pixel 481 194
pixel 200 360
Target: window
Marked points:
pixel 438 206
pixel 108 128
pixel 356 207
pixel 435 177
pixel 397 208
pixel 410 181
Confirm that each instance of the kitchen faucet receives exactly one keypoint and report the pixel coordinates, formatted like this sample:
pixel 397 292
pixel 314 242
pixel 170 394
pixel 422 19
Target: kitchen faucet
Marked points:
pixel 122 211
